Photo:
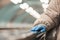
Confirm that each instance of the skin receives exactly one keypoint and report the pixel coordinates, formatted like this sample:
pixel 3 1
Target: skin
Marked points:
pixel 4 2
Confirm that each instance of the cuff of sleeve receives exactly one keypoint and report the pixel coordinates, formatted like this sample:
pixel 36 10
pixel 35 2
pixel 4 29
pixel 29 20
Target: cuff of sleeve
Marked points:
pixel 46 20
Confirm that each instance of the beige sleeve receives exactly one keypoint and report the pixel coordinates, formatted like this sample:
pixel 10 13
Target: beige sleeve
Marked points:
pixel 52 15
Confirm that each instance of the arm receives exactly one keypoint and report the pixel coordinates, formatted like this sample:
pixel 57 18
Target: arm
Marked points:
pixel 51 17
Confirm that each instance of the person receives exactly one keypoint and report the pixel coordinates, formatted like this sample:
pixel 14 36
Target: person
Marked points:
pixel 51 20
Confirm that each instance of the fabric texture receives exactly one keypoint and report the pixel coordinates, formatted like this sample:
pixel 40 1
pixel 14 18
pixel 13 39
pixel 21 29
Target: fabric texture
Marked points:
pixel 51 18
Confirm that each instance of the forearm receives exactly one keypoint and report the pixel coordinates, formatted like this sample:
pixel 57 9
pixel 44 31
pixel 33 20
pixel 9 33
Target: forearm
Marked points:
pixel 51 17
pixel 48 21
pixel 53 12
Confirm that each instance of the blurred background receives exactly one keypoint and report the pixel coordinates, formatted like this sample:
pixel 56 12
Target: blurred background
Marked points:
pixel 14 21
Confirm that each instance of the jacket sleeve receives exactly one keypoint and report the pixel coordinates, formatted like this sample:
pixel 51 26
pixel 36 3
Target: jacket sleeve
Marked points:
pixel 52 15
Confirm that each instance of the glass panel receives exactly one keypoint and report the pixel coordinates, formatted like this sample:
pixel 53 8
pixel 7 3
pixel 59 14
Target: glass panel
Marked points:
pixel 9 11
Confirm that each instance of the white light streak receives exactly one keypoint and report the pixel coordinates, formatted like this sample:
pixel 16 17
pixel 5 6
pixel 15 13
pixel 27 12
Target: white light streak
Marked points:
pixel 33 12
pixel 45 1
pixel 45 4
pixel 24 6
pixel 16 1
